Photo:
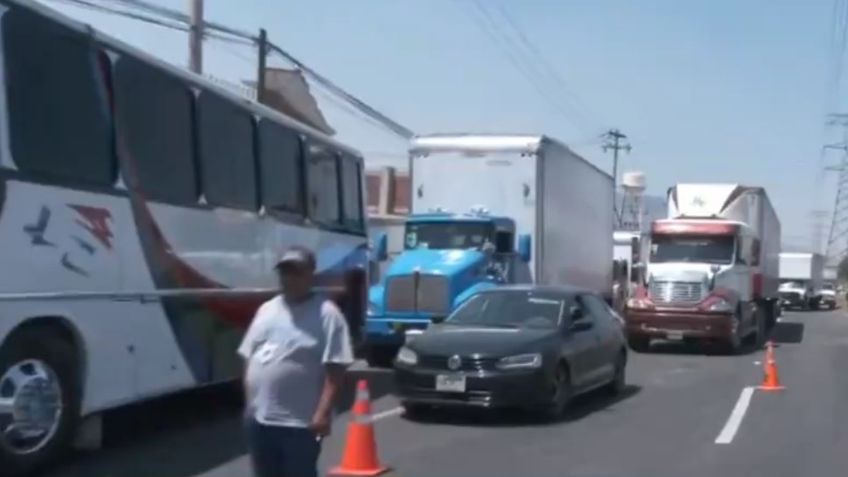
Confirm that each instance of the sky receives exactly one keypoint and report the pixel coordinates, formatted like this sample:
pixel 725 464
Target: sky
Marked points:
pixel 706 90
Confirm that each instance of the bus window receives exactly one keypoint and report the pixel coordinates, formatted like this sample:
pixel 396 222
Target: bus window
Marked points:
pixel 352 193
pixel 281 175
pixel 154 132
pixel 59 122
pixel 323 185
pixel 228 165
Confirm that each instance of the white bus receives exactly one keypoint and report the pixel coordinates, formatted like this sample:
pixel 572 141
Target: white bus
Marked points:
pixel 141 210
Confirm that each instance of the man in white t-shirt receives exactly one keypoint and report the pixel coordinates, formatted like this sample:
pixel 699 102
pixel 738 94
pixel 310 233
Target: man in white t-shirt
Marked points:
pixel 296 349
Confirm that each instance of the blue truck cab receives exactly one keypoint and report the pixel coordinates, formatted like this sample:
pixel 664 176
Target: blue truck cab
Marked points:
pixel 446 258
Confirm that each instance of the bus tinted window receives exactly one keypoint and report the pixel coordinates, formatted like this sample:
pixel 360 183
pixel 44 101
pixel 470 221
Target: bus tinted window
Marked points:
pixel 280 162
pixel 154 128
pixel 228 166
pixel 59 120
pixel 323 185
pixel 351 193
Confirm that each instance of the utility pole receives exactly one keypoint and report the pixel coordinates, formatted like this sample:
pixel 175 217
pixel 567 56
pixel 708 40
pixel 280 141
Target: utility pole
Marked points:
pixel 614 139
pixel 836 240
pixel 195 36
pixel 260 73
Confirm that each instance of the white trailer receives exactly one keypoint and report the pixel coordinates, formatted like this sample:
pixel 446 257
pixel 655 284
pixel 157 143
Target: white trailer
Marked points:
pixel 802 279
pixel 562 201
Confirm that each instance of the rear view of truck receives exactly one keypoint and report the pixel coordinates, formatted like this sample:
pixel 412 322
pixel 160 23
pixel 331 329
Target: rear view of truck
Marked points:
pixel 713 269
pixel 801 281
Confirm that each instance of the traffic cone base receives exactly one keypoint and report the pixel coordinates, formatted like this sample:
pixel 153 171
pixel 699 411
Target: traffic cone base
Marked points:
pixel 360 452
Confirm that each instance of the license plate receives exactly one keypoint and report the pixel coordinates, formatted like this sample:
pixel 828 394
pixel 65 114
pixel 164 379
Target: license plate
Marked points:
pixel 674 335
pixel 451 383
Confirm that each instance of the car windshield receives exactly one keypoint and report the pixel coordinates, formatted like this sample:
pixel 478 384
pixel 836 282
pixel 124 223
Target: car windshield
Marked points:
pixel 511 309
pixel 447 235
pixel 692 248
pixel 792 284
pixel 828 286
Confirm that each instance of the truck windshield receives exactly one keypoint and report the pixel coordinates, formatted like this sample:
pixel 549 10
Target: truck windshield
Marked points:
pixel 692 248
pixel 447 235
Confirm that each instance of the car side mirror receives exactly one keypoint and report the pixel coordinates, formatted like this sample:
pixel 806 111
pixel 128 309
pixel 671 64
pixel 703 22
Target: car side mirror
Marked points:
pixel 575 313
pixel 524 247
pixel 381 247
pixel 438 319
pixel 579 326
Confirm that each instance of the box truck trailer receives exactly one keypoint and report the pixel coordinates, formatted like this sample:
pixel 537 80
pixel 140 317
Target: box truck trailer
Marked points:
pixel 489 210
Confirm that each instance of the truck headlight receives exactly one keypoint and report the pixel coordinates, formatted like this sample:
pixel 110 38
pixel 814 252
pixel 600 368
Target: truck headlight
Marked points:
pixel 521 361
pixel 719 304
pixel 639 304
pixel 407 356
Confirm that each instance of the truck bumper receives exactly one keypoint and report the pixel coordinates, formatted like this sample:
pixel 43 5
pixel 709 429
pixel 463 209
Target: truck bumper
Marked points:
pixel 679 325
pixel 390 331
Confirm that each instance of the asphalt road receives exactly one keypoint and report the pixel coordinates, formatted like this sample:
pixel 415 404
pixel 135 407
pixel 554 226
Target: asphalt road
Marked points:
pixel 679 403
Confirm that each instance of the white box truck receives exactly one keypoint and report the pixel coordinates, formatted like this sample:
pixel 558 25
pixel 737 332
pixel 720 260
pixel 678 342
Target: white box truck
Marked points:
pixel 713 268
pixel 802 280
pixel 490 210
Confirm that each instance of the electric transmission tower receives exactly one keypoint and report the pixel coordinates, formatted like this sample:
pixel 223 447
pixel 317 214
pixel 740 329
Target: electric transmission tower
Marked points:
pixel 837 240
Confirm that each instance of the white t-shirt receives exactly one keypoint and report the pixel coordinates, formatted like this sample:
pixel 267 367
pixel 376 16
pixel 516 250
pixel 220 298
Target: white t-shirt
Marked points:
pixel 287 348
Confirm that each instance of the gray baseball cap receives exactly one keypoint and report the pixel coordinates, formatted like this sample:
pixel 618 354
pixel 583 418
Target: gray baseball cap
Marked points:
pixel 296 256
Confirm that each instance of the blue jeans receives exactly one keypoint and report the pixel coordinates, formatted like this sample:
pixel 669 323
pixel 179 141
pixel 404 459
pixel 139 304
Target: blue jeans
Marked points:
pixel 277 451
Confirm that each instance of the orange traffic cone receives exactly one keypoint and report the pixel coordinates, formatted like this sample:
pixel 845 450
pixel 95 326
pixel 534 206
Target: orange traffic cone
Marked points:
pixel 771 382
pixel 360 453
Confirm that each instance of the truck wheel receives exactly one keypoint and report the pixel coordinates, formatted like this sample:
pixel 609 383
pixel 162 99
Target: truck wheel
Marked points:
pixel 40 396
pixel 761 335
pixel 639 344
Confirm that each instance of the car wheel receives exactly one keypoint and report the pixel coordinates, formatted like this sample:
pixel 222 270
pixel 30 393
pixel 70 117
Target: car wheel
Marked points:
pixel 40 387
pixel 560 389
pixel 639 343
pixel 619 380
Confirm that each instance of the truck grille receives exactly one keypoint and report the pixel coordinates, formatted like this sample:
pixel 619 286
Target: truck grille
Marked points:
pixel 676 292
pixel 432 294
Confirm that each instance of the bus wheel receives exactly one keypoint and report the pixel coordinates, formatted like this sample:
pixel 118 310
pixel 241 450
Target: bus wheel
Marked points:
pixel 39 400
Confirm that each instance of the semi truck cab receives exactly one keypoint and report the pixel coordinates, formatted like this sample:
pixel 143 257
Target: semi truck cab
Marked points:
pixel 702 282
pixel 447 257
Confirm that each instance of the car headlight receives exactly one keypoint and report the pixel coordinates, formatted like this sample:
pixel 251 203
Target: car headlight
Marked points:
pixel 372 308
pixel 521 361
pixel 407 356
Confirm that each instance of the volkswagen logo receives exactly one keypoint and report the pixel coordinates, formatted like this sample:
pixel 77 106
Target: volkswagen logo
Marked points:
pixel 454 362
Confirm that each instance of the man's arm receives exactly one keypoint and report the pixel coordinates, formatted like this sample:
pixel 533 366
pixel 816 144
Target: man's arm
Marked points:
pixel 333 380
pixel 338 355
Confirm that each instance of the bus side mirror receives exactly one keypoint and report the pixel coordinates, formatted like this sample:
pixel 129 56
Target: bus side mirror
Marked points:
pixel 524 247
pixel 381 247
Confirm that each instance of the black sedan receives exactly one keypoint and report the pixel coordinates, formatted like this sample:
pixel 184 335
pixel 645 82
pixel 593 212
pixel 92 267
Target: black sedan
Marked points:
pixel 517 346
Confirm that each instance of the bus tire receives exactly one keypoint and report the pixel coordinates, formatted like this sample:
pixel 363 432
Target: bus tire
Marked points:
pixel 26 354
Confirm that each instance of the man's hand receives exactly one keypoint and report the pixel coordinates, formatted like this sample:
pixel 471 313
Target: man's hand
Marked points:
pixel 321 424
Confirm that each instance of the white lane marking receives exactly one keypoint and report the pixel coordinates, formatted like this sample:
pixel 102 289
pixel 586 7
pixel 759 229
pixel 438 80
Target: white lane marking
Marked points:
pixel 391 412
pixel 735 419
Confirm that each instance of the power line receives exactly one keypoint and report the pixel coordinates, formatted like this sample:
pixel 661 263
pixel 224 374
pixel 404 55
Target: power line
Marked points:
pixel 552 72
pixel 489 26
pixel 212 27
